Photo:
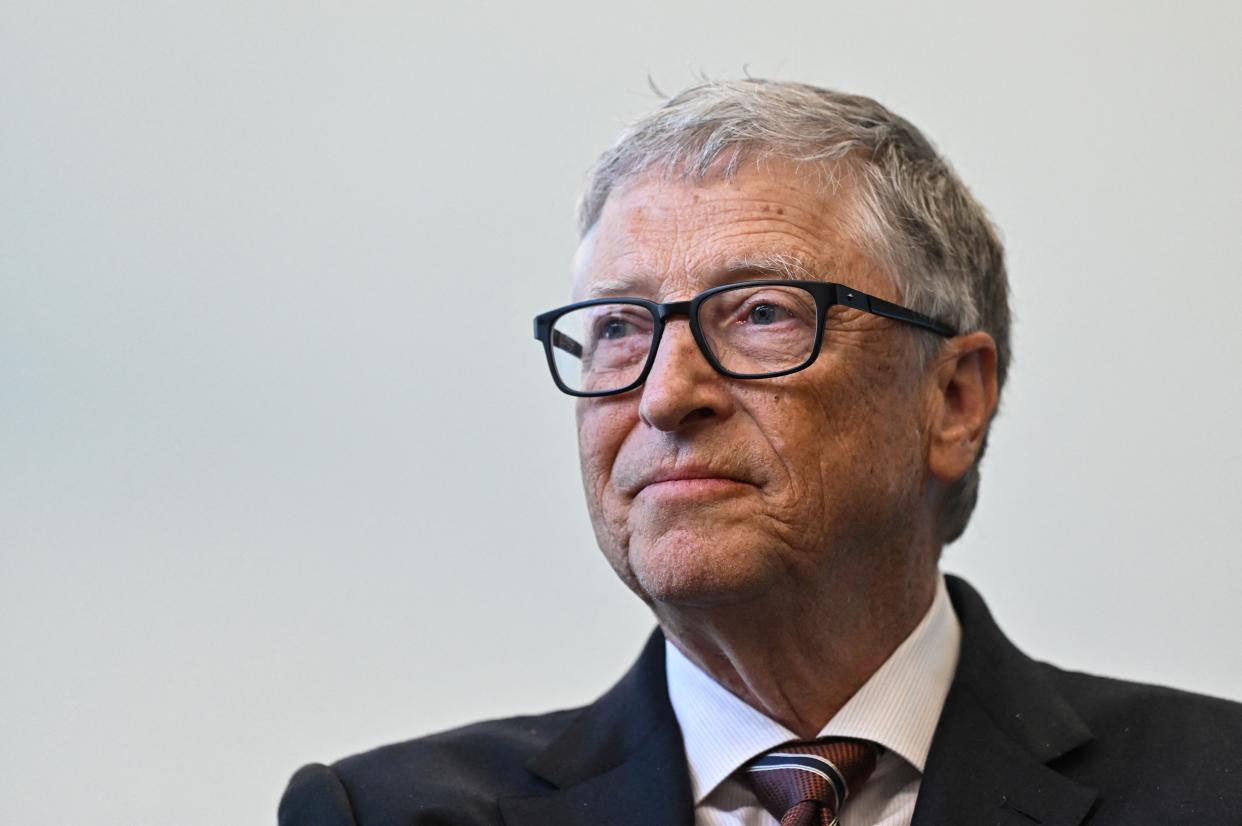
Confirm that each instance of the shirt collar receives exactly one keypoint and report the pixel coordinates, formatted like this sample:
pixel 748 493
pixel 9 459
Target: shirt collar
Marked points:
pixel 898 707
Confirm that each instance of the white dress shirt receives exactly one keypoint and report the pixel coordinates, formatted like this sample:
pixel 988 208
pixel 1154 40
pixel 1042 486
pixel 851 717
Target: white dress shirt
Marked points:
pixel 898 707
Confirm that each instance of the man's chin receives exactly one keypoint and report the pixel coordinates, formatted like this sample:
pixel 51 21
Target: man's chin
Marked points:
pixel 682 567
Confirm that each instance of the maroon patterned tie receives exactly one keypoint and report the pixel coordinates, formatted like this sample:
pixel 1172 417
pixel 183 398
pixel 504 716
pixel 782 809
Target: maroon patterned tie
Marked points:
pixel 805 784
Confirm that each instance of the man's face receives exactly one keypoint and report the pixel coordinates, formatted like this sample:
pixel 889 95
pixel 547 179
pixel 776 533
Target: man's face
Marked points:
pixel 706 490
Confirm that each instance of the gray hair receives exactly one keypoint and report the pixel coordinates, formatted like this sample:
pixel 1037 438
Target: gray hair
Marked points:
pixel 913 215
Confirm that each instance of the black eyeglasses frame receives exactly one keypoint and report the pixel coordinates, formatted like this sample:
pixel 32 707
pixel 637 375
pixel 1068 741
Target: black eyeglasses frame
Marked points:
pixel 826 293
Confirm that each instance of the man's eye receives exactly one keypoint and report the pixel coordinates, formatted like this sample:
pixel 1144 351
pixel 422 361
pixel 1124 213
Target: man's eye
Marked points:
pixel 615 328
pixel 766 314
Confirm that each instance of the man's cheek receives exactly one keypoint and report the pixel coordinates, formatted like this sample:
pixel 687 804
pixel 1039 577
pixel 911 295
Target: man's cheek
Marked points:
pixel 596 460
pixel 600 434
pixel 595 466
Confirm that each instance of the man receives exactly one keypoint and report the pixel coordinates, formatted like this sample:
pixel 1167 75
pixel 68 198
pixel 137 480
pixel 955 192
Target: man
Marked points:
pixel 789 334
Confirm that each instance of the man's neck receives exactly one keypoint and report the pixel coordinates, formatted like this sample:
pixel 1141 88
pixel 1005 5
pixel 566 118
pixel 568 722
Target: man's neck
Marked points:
pixel 799 657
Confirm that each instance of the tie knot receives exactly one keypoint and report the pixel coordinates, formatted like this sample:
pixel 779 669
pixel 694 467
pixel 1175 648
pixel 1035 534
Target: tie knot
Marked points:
pixel 806 783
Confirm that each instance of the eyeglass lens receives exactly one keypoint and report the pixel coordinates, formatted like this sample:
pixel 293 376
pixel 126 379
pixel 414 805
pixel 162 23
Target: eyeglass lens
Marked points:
pixel 750 331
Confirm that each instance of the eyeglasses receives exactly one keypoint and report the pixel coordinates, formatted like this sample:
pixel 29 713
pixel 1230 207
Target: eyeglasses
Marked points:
pixel 750 330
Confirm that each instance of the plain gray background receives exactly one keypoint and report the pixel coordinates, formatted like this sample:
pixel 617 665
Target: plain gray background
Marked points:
pixel 284 477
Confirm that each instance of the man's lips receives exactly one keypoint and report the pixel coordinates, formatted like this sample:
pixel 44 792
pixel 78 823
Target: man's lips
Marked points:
pixel 689 479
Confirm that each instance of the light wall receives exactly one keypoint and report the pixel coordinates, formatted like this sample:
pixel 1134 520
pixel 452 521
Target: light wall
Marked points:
pixel 284 477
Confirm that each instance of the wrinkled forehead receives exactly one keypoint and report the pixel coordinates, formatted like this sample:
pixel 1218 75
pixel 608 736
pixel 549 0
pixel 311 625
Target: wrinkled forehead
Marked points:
pixel 658 237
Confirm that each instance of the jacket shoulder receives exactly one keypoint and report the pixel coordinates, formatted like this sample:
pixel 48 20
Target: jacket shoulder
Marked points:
pixel 1156 747
pixel 1151 716
pixel 451 777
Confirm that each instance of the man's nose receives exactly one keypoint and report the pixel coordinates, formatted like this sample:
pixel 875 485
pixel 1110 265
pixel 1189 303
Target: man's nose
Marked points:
pixel 682 388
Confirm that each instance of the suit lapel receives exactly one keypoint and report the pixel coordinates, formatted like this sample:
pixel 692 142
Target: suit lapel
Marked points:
pixel 620 762
pixel 1003 723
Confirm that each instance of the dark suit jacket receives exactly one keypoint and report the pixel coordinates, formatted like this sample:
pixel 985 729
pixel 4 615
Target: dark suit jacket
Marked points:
pixel 1019 743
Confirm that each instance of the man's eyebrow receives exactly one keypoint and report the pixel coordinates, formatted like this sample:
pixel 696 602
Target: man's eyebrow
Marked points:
pixel 739 267
pixel 770 264
pixel 620 285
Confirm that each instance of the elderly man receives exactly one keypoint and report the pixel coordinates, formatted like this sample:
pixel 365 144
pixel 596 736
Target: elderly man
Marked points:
pixel 788 337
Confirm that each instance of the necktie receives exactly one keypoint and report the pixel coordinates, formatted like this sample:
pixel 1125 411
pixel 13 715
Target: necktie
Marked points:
pixel 805 784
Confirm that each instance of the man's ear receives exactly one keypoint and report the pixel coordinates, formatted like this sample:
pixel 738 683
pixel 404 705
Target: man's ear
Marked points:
pixel 963 400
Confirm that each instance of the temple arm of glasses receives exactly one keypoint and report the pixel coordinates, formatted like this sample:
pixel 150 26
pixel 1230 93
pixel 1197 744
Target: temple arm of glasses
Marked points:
pixel 880 307
pixel 564 342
